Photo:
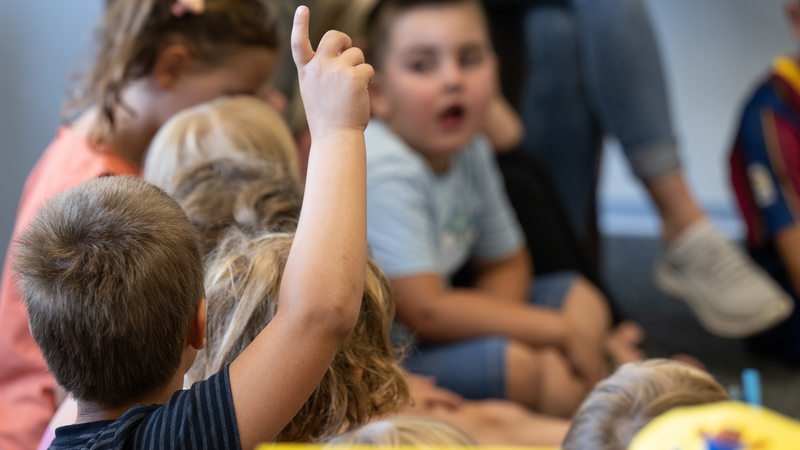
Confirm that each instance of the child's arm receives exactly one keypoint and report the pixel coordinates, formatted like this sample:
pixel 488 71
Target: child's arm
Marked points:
pixel 508 278
pixel 323 282
pixel 443 314
pixel 503 126
pixel 439 313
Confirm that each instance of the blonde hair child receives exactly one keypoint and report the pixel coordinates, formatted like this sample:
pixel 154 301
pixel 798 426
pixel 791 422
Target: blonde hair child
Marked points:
pixel 239 127
pixel 404 431
pixel 243 277
pixel 231 161
pixel 618 407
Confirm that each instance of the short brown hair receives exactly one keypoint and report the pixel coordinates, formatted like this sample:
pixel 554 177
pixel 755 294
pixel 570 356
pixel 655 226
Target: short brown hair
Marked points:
pixel 380 20
pixel 111 274
pixel 632 396
pixel 364 380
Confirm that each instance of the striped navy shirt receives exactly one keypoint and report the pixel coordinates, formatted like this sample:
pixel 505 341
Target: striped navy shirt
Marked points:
pixel 201 417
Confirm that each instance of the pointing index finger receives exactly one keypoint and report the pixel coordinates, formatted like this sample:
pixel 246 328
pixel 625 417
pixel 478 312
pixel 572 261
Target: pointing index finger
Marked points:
pixel 301 45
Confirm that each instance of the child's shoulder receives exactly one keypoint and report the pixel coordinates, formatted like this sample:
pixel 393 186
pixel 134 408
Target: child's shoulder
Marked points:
pixel 184 418
pixel 387 153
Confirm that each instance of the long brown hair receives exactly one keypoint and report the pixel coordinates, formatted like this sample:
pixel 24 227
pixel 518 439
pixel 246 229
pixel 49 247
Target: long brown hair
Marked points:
pixel 133 32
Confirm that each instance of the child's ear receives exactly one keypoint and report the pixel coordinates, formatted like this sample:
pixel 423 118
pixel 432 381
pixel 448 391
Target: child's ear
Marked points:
pixel 171 63
pixel 378 103
pixel 197 327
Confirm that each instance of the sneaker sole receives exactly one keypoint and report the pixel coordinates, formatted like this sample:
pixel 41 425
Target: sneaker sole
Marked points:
pixel 714 321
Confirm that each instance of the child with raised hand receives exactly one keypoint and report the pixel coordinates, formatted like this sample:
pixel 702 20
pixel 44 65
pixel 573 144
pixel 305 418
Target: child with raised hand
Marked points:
pixel 364 380
pixel 253 193
pixel 154 57
pixel 319 296
pixel 436 204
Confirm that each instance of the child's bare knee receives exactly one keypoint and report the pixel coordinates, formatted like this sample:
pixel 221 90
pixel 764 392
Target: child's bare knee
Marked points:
pixel 586 300
pixel 523 379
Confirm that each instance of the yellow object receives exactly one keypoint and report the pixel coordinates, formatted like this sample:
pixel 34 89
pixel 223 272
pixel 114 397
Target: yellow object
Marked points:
pixel 374 447
pixel 719 426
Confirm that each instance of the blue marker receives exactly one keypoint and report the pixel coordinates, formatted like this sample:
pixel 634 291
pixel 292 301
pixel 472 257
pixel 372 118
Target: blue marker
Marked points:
pixel 751 387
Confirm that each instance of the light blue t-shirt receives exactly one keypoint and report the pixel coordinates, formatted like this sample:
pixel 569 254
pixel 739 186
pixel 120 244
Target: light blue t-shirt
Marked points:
pixel 423 222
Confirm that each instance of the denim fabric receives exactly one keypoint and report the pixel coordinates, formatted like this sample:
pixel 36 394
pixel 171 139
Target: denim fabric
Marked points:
pixel 594 68
pixel 476 368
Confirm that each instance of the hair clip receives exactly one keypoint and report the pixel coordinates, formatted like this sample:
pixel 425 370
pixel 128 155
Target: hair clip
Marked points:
pixel 181 7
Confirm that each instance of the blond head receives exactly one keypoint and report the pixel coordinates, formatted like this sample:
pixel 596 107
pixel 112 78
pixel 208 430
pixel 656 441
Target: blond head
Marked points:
pixel 237 128
pixel 364 380
pixel 405 431
pixel 630 398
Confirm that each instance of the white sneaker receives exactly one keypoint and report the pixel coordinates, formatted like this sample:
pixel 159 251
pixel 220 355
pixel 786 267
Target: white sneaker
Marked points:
pixel 730 295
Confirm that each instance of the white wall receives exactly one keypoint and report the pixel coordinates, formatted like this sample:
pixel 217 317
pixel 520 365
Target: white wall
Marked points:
pixel 41 45
pixel 714 51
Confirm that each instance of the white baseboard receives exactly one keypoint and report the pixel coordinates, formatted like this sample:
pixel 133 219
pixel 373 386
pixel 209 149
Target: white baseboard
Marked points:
pixel 633 219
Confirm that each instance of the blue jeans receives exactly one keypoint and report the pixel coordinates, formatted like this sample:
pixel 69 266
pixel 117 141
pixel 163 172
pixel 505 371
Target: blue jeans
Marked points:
pixel 476 368
pixel 593 68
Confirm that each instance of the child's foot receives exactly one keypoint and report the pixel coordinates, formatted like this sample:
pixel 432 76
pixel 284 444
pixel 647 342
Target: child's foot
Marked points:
pixel 729 294
pixel 622 344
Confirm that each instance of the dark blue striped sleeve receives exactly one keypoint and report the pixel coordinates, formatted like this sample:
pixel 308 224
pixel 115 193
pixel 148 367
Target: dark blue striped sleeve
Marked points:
pixel 201 417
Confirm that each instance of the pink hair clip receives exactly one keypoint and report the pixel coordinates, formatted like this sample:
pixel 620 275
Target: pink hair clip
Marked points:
pixel 181 7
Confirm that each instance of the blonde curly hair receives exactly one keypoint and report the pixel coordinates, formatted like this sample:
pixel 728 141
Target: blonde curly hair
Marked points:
pixel 364 380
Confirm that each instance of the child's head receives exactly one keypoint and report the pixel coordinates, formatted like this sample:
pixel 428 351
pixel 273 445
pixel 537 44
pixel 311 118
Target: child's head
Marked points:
pixel 239 128
pixel 435 72
pixel 636 393
pixel 188 56
pixel 111 274
pixel 364 380
pixel 792 8
pixel 247 194
pixel 231 161
pixel 405 431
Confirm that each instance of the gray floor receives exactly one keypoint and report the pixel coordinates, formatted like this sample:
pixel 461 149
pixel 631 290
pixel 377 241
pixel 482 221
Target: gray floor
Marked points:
pixel 671 328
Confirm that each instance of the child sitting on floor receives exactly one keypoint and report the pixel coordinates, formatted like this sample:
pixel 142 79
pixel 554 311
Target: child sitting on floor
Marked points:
pixel 436 205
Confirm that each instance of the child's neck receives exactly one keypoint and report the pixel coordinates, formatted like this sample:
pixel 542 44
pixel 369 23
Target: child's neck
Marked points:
pixel 439 164
pixel 129 140
pixel 92 411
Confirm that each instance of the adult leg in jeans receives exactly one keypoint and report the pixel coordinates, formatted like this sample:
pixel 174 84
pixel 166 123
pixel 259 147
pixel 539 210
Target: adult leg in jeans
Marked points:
pixel 561 134
pixel 625 86
pixel 623 78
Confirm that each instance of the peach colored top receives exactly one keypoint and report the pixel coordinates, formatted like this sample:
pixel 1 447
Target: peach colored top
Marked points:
pixel 26 387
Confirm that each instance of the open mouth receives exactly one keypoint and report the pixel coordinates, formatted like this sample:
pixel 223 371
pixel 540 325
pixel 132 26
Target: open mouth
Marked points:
pixel 452 116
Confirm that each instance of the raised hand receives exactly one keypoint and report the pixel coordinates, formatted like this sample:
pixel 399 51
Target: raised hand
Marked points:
pixel 333 80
